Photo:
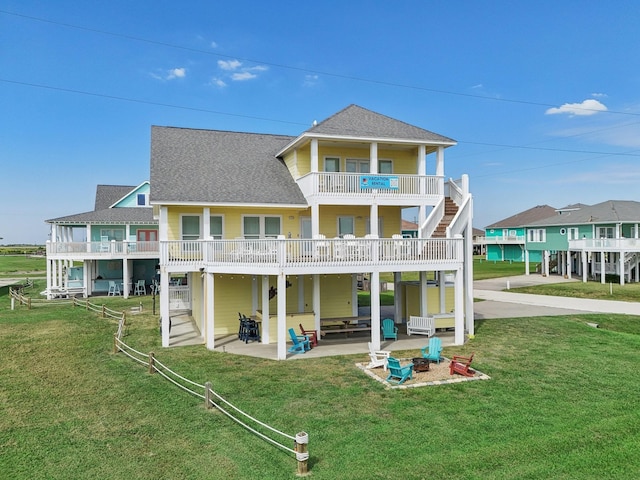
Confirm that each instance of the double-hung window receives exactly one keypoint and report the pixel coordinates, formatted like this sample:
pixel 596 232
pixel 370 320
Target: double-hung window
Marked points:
pixel 215 227
pixel 605 232
pixel 346 226
pixel 261 226
pixel 537 235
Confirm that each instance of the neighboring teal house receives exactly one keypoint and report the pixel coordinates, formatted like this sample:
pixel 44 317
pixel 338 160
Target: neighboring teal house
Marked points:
pixel 599 241
pixel 505 240
pixel 114 246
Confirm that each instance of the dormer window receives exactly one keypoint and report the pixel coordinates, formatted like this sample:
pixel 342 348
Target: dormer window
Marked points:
pixel 142 199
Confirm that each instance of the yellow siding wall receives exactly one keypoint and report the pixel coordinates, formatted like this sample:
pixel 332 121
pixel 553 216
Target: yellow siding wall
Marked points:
pixel 412 299
pixel 289 219
pixel 234 293
pixel 391 219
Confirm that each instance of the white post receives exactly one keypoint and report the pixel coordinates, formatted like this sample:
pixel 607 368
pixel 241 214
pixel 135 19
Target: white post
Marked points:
pixel 526 262
pixel 459 308
pixel 373 164
pixel 210 311
pixel 583 254
pixel 164 305
pixel 375 309
pixel 282 316
pixel 621 267
pixel 568 264
pixel 265 310
pixel 314 155
pixel 602 267
pixel 316 303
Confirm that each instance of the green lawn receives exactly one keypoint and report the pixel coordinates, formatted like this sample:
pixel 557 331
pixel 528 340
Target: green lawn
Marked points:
pixel 562 403
pixel 629 292
pixel 18 266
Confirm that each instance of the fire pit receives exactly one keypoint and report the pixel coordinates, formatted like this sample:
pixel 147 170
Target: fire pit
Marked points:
pixel 420 364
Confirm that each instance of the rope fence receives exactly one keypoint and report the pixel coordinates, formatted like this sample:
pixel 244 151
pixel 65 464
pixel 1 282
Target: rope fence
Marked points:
pixel 213 400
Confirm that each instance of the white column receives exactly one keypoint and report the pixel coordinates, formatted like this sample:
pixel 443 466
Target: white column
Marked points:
pixel 265 310
pixel 545 270
pixel 85 277
pixel 354 294
pixel 459 308
pixel 282 316
pixel 637 267
pixel 583 256
pixel 468 279
pixel 375 309
pixel 442 290
pixel 602 268
pixel 210 310
pixel 568 253
pixel 424 308
pixel 526 262
pixel 164 304
pixel 206 223
pixel 440 162
pixel 314 155
pixel 316 304
pixel 50 271
pixel 125 278
pixel 422 160
pixel 315 219
pixel 373 163
pixel 373 218
pixel 621 267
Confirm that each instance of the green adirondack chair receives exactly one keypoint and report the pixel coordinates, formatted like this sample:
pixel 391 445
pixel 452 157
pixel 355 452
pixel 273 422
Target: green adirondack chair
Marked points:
pixel 398 373
pixel 389 329
pixel 433 350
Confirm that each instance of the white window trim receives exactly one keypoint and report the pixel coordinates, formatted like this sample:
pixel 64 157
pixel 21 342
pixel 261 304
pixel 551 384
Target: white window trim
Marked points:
pixel 358 162
pixel 390 160
pixel 353 222
pixel 221 215
pixel 182 215
pixel 537 235
pixel 332 157
pixel 261 224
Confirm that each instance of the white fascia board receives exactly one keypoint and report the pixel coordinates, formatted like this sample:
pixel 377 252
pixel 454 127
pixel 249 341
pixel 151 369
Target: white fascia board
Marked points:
pixel 308 136
pixel 216 204
pixel 128 194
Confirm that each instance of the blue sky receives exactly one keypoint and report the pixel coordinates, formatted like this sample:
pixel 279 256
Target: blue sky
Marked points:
pixel 542 97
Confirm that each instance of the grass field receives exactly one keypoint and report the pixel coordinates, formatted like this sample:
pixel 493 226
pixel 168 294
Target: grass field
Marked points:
pixel 562 403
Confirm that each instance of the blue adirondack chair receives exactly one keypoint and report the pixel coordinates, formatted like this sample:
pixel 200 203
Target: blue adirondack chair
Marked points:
pixel 398 373
pixel 389 329
pixel 300 342
pixel 433 350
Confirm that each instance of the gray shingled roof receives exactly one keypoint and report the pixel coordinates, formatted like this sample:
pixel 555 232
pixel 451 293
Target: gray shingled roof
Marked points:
pixel 610 211
pixel 212 166
pixel 107 195
pixel 525 218
pixel 110 215
pixel 355 121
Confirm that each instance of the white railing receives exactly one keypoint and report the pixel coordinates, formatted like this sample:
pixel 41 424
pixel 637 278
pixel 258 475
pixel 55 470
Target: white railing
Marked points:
pixel 500 239
pixel 338 184
pixel 106 249
pixel 432 221
pixel 608 244
pixel 455 192
pixel 310 252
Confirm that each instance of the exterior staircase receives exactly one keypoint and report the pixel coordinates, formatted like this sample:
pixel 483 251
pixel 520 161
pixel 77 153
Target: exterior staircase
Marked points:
pixel 450 210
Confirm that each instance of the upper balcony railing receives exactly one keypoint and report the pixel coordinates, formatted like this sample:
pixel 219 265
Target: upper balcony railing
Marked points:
pixel 389 185
pixel 501 239
pixel 606 244
pixel 318 252
pixel 106 249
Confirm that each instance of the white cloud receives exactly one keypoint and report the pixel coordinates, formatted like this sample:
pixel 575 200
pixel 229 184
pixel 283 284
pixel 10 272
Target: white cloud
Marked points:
pixel 214 44
pixel 587 107
pixel 477 86
pixel 177 73
pixel 241 76
pixel 229 65
pixel 310 80
pixel 218 82
pixel 599 95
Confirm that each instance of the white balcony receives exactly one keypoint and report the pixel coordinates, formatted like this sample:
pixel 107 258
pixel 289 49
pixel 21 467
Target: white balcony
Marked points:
pixel 388 188
pixel 101 250
pixel 312 256
pixel 501 240
pixel 605 244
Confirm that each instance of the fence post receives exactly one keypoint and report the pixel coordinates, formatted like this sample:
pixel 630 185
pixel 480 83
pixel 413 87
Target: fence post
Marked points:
pixel 86 304
pixel 13 302
pixel 29 303
pixel 207 395
pixel 152 367
pixel 104 311
pixel 115 343
pixel 302 455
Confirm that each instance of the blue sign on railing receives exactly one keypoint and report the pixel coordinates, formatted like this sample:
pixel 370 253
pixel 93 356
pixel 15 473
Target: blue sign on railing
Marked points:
pixel 378 181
